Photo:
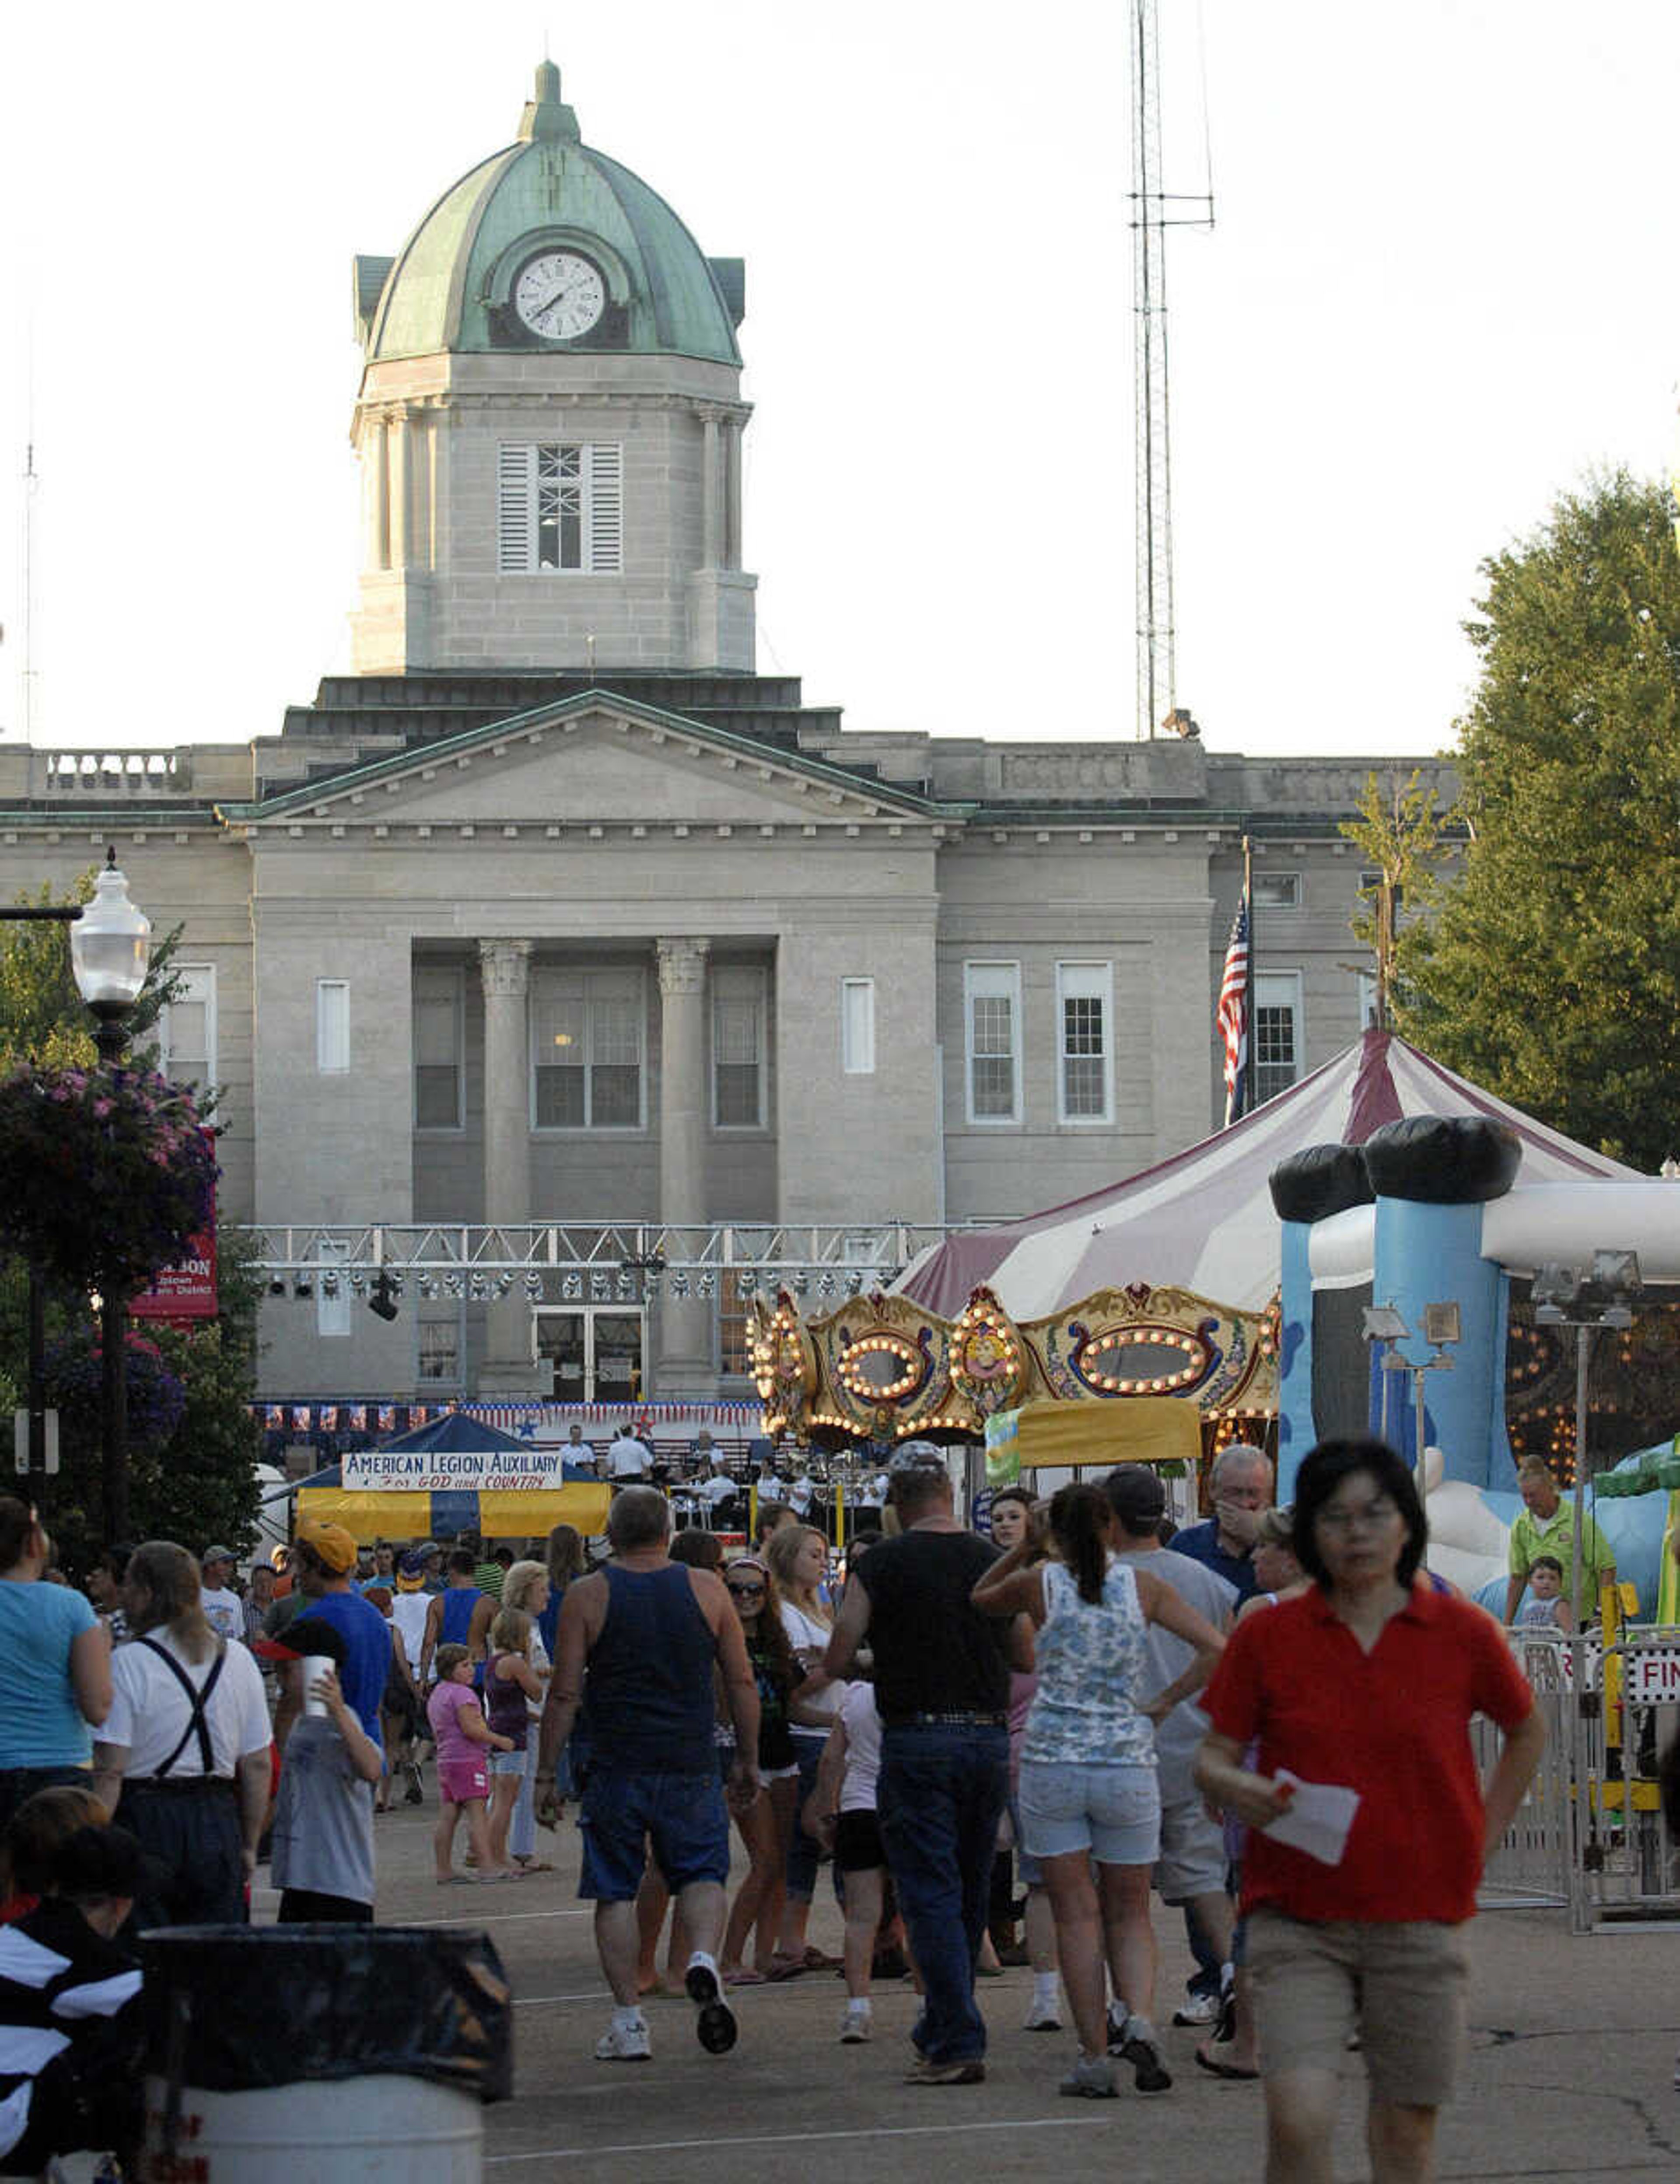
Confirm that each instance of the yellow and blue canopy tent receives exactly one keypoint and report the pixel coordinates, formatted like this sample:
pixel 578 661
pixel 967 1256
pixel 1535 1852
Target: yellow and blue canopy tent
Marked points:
pixel 462 1450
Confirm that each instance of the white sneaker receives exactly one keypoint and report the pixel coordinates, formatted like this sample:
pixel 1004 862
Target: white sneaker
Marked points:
pixel 1042 2017
pixel 624 2043
pixel 856 2025
pixel 1198 2009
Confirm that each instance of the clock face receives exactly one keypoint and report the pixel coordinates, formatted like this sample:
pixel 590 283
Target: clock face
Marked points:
pixel 559 294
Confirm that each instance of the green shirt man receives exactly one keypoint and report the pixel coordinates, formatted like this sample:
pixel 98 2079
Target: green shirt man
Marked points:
pixel 1546 1526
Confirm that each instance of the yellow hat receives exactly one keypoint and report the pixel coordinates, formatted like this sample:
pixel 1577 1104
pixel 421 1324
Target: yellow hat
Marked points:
pixel 331 1543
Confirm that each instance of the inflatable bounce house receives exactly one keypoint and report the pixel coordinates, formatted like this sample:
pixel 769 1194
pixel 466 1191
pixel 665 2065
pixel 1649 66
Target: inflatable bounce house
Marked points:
pixel 1429 1220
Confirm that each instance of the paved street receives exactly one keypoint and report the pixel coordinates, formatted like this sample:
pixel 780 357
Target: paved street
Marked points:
pixel 1573 2051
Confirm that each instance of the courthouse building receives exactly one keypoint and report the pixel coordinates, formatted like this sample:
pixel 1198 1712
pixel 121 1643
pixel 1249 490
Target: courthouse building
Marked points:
pixel 555 911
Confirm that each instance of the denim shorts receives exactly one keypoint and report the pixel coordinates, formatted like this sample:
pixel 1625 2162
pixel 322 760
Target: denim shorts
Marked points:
pixel 681 1818
pixel 507 1763
pixel 1115 1812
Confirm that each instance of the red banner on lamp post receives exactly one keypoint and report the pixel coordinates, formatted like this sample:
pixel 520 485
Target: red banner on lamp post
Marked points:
pixel 187 1291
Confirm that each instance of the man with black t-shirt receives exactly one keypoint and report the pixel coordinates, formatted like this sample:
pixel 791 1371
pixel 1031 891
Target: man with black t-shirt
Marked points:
pixel 942 1686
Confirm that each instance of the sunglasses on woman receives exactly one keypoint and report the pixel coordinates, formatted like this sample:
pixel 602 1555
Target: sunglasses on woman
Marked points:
pixel 747 1592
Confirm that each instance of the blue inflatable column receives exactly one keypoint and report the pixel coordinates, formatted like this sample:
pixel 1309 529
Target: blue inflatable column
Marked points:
pixel 1295 1433
pixel 1431 1176
pixel 1307 1188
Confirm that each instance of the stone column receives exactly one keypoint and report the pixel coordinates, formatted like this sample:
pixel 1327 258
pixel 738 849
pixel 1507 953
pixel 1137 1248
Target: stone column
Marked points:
pixel 400 460
pixel 684 1366
pixel 731 494
pixel 713 496
pixel 379 492
pixel 504 967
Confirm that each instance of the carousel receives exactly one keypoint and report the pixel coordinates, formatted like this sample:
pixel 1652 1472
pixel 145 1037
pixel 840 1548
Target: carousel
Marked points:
pixel 1137 1374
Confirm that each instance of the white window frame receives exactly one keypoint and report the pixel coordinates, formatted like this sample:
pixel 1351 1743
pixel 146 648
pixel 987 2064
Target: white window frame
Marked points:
pixel 1085 980
pixel 1288 885
pixel 197 982
pixel 332 1027
pixel 1277 989
pixel 1367 1001
pixel 589 979
pixel 857 1027
pixel 520 491
pixel 990 978
pixel 740 977
pixel 452 974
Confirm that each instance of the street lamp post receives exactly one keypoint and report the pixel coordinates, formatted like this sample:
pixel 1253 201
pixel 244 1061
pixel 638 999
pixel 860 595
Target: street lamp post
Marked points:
pixel 1602 1296
pixel 110 947
pixel 1564 1297
pixel 1384 1324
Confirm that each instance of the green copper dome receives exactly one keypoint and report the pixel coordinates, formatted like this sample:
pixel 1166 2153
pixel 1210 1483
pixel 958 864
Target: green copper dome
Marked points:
pixel 448 289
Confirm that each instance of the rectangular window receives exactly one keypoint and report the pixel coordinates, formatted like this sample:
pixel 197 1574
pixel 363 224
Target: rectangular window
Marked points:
pixel 1278 1043
pixel 734 1343
pixel 1277 891
pixel 439 1040
pixel 991 1007
pixel 440 1351
pixel 560 506
pixel 1084 1010
pixel 332 1289
pixel 737 1047
pixel 187 1029
pixel 586 1050
pixel 1367 1001
pixel 857 1027
pixel 1371 887
pixel 332 1026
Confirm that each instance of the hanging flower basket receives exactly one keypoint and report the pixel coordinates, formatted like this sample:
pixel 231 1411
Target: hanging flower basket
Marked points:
pixel 109 1174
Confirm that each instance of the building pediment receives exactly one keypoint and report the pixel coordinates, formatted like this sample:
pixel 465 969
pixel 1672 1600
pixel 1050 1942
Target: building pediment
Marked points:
pixel 595 760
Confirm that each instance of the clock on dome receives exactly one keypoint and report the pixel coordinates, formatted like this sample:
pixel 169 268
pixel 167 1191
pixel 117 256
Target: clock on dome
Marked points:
pixel 559 294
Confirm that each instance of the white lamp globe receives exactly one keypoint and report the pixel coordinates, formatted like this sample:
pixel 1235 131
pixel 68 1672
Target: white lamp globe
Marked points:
pixel 110 945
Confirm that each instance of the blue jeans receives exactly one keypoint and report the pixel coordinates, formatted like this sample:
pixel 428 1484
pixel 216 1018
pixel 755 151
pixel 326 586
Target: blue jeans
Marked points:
pixel 941 1791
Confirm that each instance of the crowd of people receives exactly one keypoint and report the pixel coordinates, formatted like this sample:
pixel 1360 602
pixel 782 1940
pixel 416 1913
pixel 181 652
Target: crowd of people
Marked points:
pixel 1072 1705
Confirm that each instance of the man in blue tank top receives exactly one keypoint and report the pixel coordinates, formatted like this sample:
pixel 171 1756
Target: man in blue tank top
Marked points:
pixel 636 1645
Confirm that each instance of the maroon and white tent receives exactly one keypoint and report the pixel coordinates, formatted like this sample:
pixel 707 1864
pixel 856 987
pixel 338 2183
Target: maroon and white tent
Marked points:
pixel 1203 1220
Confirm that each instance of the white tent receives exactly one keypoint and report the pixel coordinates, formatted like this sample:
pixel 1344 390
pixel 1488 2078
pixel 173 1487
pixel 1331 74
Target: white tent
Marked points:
pixel 1203 1220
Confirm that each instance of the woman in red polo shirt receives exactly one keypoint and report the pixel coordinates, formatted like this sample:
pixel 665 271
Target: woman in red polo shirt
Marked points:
pixel 1368 1681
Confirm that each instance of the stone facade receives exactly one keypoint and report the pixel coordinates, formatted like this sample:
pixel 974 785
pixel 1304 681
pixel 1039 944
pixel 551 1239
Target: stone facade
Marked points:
pixel 555 911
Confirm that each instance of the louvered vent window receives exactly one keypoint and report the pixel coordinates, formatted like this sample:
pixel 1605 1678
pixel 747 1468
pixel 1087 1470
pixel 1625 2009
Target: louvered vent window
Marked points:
pixel 560 506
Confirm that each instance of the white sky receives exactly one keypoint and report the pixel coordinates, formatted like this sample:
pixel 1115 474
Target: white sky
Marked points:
pixel 1440 290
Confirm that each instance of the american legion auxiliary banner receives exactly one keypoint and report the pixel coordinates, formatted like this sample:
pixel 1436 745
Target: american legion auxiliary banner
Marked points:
pixel 436 1494
pixel 531 1470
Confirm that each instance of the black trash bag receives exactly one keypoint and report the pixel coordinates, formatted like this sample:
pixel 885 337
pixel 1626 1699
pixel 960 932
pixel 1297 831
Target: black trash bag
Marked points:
pixel 231 2008
pixel 1319 1181
pixel 1443 1160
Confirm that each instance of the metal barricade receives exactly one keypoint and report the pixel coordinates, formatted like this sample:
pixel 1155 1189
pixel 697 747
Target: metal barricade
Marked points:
pixel 1531 1866
pixel 1625 1862
pixel 1590 1833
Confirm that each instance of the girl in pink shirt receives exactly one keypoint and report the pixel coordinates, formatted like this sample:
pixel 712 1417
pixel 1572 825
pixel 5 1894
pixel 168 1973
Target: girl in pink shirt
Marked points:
pixel 462 1736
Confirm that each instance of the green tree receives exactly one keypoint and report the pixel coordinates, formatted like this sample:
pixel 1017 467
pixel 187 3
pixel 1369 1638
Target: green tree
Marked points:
pixel 1400 832
pixel 1551 971
pixel 42 1018
pixel 197 1483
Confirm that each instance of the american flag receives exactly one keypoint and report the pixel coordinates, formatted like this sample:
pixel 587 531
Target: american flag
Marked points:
pixel 1232 1015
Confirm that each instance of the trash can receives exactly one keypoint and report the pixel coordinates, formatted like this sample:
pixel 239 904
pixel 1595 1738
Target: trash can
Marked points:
pixel 321 2055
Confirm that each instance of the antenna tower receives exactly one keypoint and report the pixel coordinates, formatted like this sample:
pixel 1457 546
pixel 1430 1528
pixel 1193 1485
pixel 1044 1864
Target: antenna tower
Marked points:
pixel 1156 694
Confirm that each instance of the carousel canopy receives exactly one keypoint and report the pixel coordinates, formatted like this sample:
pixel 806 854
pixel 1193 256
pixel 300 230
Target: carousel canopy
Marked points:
pixel 1204 1219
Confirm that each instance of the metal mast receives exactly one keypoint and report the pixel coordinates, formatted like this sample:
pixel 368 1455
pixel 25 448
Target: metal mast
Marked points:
pixel 1153 487
pixel 1156 692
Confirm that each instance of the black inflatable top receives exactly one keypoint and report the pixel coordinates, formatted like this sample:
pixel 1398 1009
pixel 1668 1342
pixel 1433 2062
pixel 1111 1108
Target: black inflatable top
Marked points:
pixel 1319 1181
pixel 1443 1160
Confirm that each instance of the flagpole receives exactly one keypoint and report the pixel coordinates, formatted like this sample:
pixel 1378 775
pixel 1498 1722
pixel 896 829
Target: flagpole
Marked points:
pixel 1249 994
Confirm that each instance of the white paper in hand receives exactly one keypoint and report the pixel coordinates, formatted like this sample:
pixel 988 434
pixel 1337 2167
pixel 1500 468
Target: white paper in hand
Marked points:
pixel 1318 1817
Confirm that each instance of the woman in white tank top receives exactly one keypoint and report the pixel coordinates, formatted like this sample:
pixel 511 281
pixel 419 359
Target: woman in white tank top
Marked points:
pixel 1087 1766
